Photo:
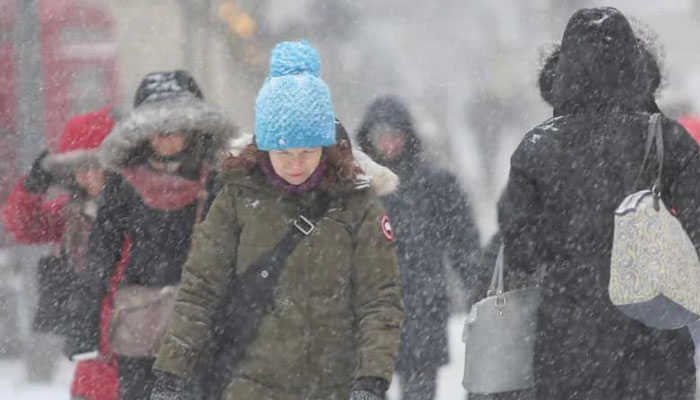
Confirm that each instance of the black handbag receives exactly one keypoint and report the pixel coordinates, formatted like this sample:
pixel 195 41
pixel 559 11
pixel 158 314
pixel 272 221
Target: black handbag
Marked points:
pixel 56 280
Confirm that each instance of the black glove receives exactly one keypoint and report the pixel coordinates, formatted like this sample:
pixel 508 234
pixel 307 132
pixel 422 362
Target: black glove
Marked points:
pixel 364 395
pixel 168 387
pixel 38 180
pixel 75 346
pixel 369 388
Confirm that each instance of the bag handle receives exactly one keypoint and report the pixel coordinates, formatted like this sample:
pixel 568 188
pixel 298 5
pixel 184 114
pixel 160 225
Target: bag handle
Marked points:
pixel 497 286
pixel 654 135
pixel 659 136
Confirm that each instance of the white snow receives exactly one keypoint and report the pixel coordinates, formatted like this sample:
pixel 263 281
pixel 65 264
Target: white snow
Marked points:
pixel 13 383
pixel 549 125
pixel 601 19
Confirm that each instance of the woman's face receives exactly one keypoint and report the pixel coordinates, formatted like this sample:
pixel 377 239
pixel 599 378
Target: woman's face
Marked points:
pixel 168 144
pixel 295 166
pixel 91 179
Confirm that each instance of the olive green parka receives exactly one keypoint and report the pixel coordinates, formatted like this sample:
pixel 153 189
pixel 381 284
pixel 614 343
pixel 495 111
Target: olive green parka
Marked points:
pixel 338 309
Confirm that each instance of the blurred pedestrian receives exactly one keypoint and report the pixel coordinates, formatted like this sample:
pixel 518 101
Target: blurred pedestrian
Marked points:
pixel 433 222
pixel 159 158
pixel 33 217
pixel 297 239
pixel 567 177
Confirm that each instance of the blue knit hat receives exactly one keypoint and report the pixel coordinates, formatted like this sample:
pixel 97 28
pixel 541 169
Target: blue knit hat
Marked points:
pixel 294 108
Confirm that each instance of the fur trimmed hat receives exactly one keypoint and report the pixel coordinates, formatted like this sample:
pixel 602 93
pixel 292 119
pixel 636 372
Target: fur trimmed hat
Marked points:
pixel 168 102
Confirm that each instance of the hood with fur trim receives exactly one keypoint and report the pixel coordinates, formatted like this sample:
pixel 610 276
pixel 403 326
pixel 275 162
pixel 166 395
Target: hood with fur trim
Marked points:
pixel 81 136
pixel 210 128
pixel 66 164
pixel 382 179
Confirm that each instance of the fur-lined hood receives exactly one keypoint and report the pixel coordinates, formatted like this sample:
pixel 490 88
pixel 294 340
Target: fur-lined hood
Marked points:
pixel 78 144
pixel 64 165
pixel 211 126
pixel 381 178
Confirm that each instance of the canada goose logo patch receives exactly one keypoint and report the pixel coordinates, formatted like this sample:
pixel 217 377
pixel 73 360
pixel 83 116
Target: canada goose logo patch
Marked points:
pixel 387 230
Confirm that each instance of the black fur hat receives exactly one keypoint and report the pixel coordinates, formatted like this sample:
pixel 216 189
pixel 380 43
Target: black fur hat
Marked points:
pixel 158 86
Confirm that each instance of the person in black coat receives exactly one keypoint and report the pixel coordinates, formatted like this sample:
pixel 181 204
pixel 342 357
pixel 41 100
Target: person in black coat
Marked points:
pixel 160 158
pixel 567 177
pixel 432 222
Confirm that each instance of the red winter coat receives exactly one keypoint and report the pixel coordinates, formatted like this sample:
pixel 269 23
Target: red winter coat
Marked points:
pixel 32 219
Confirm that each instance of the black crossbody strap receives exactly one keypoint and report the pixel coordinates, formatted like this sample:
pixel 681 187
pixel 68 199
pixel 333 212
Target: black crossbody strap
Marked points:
pixel 270 265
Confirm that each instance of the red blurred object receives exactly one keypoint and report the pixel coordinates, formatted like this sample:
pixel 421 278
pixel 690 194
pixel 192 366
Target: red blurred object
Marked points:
pixel 96 379
pixel 86 131
pixel 692 125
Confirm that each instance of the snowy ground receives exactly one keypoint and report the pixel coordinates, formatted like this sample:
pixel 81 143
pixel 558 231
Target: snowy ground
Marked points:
pixel 13 383
pixel 450 377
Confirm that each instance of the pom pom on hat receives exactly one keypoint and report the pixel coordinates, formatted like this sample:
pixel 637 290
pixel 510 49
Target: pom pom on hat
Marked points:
pixel 293 108
pixel 294 58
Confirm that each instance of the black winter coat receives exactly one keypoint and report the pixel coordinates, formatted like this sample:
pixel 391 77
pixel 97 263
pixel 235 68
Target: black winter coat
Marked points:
pixel 432 220
pixel 159 244
pixel 155 211
pixel 567 177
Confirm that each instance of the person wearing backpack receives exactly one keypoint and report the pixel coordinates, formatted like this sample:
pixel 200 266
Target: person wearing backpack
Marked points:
pixel 567 177
pixel 159 158
pixel 328 306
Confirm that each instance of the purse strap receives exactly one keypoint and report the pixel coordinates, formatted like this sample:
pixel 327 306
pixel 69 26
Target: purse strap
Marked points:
pixel 497 286
pixel 654 135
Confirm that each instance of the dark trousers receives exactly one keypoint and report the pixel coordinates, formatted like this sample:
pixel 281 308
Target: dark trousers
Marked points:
pixel 419 384
pixel 136 377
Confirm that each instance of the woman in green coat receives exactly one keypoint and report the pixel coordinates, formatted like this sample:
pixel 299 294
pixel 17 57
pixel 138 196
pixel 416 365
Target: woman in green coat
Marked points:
pixel 334 327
